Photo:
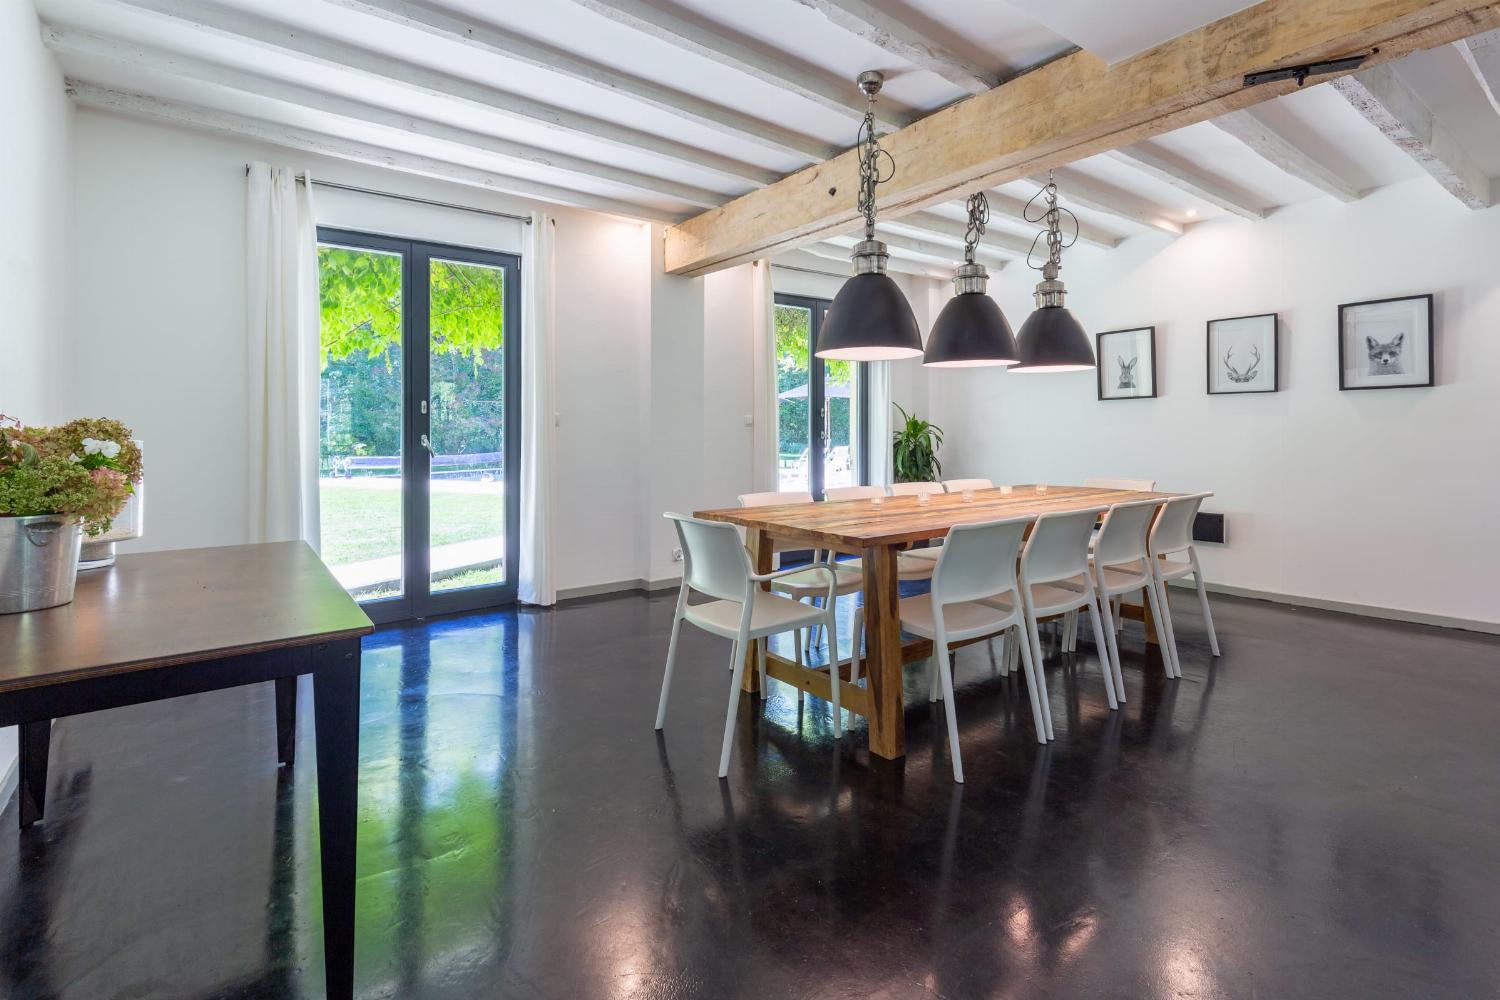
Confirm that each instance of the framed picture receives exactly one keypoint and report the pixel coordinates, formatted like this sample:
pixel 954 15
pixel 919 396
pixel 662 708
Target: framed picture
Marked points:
pixel 1127 363
pixel 1386 344
pixel 1242 355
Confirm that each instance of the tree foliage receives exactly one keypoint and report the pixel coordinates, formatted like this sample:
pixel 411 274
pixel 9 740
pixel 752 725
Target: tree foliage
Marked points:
pixel 793 357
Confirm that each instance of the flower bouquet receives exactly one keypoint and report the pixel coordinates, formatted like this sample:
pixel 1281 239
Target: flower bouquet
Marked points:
pixel 56 484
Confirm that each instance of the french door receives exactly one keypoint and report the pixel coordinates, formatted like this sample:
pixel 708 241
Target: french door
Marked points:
pixel 820 405
pixel 419 406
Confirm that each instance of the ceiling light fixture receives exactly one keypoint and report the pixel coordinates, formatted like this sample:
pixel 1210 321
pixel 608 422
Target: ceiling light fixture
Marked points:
pixel 1051 339
pixel 971 331
pixel 869 319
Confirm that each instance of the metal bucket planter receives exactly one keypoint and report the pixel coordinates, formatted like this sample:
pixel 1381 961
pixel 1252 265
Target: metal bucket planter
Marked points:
pixel 38 561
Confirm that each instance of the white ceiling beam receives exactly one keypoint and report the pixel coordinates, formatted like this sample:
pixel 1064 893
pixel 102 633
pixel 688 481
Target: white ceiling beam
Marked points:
pixel 1385 101
pixel 1085 193
pixel 832 251
pixel 904 42
pixel 794 78
pixel 190 116
pixel 1279 151
pixel 1013 210
pixel 948 229
pixel 1482 53
pixel 269 36
pixel 1187 180
pixel 947 255
pixel 478 35
pixel 73 42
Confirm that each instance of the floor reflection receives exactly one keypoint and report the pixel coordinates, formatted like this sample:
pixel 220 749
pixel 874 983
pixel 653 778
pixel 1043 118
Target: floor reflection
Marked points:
pixel 524 832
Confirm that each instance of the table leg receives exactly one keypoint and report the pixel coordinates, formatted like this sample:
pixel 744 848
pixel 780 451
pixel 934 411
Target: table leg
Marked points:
pixel 761 549
pixel 286 720
pixel 1149 621
pixel 35 741
pixel 336 715
pixel 883 653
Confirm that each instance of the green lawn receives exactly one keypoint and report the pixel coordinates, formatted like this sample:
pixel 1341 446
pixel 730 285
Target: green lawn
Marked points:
pixel 361 522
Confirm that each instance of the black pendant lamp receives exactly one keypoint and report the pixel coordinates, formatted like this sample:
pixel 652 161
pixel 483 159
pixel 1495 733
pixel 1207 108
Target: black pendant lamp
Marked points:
pixel 869 319
pixel 1052 339
pixel 971 331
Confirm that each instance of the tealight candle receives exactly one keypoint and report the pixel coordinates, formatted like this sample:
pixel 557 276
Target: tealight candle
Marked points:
pixel 877 502
pixel 923 499
pixel 1005 491
pixel 1041 487
pixel 968 496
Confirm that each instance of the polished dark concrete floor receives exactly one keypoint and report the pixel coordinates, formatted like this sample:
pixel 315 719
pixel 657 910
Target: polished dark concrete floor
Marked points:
pixel 1315 814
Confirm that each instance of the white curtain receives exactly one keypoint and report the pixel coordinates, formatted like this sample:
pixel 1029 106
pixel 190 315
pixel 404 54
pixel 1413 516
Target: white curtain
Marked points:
pixel 878 426
pixel 538 417
pixel 282 361
pixel 763 320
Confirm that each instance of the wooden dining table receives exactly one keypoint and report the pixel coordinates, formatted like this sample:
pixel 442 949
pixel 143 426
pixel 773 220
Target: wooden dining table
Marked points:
pixel 877 534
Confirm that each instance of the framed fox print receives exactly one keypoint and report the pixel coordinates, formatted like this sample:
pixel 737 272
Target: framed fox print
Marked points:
pixel 1127 363
pixel 1386 343
pixel 1242 354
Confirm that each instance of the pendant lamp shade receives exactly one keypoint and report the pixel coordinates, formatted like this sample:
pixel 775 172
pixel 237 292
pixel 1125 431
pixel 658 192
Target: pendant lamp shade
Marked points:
pixel 1052 340
pixel 869 319
pixel 971 331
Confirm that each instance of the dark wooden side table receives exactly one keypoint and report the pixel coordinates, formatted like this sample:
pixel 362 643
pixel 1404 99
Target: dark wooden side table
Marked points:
pixel 164 624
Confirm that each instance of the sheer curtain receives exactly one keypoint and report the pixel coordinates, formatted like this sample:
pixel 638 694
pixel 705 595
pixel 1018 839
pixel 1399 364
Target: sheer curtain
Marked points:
pixel 763 472
pixel 282 355
pixel 538 307
pixel 878 423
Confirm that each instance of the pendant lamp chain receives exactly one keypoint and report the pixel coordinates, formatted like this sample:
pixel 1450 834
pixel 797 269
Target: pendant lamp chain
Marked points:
pixel 979 216
pixel 872 159
pixel 1051 216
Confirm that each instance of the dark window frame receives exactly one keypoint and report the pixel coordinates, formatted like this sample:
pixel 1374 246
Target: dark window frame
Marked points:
pixel 817 447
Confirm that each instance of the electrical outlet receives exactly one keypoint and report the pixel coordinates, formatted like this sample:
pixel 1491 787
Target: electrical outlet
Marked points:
pixel 677 555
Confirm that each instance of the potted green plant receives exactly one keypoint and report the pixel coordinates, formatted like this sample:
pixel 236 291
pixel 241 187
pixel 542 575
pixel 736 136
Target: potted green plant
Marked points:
pixel 57 484
pixel 915 449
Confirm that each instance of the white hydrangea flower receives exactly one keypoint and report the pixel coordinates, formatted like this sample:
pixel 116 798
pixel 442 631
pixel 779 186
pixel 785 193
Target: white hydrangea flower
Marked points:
pixel 91 446
pixel 109 448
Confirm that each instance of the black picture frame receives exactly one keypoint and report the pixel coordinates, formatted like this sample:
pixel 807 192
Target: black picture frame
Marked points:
pixel 1210 355
pixel 1100 367
pixel 1430 343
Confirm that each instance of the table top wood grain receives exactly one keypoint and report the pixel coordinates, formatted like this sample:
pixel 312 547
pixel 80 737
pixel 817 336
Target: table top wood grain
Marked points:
pixel 158 609
pixel 855 525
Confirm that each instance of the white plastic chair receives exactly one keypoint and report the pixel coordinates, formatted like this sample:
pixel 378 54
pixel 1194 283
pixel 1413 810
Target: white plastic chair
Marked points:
pixel 1055 579
pixel 974 594
pixel 1122 565
pixel 959 485
pixel 716 565
pixel 1172 535
pixel 912 489
pixel 1138 485
pixel 835 494
pixel 806 586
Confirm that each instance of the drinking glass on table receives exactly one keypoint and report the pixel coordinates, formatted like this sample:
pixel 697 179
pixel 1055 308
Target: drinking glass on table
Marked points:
pixel 1005 491
pixel 923 499
pixel 1041 488
pixel 968 496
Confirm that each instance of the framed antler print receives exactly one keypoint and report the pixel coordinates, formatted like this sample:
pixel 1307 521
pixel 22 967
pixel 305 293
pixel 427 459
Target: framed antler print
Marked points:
pixel 1243 354
pixel 1127 363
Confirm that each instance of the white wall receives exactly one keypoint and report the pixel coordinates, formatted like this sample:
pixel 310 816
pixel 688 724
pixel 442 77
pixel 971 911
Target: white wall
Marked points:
pixel 1381 498
pixel 36 280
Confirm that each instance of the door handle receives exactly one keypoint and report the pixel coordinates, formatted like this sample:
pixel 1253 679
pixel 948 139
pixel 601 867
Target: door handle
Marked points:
pixel 426 443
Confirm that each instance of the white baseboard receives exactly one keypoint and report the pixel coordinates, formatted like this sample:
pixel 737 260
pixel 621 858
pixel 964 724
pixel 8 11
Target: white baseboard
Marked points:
pixel 1351 608
pixel 618 587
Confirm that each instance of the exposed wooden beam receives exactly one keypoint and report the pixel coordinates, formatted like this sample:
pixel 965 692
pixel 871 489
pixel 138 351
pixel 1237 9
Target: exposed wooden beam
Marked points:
pixel 904 42
pixel 75 42
pixel 190 116
pixel 1482 53
pixel 478 35
pixel 1188 180
pixel 1071 108
pixel 1087 193
pixel 1385 100
pixel 269 36
pixel 1276 149
pixel 690 36
pixel 937 225
pixel 1013 209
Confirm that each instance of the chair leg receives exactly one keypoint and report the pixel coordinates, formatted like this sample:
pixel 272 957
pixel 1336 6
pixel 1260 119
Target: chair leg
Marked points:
pixel 933 693
pixel 1106 665
pixel 1208 618
pixel 666 679
pixel 832 629
pixel 760 656
pixel 946 671
pixel 1155 604
pixel 1111 655
pixel 1166 630
pixel 856 643
pixel 1039 675
pixel 1033 687
pixel 1012 662
pixel 1000 652
pixel 738 673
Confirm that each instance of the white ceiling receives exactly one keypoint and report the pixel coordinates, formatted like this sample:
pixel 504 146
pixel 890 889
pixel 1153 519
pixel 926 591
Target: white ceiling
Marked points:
pixel 249 59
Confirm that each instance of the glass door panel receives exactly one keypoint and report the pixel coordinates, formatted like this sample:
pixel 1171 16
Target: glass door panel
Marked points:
pixel 793 397
pixel 360 482
pixel 840 391
pixel 466 397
